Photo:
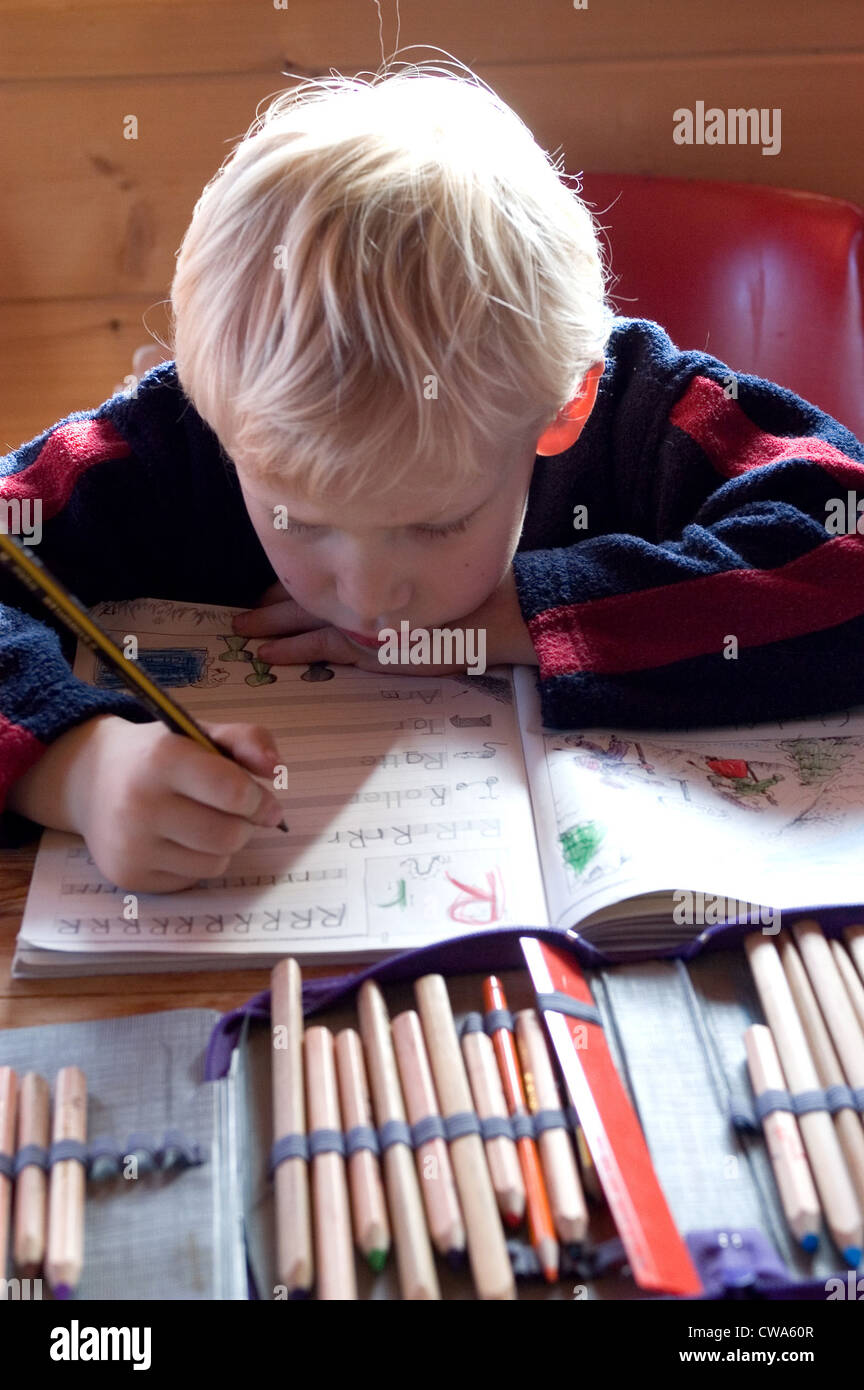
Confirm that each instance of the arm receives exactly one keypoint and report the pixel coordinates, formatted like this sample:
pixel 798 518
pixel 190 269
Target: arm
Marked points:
pixel 122 494
pixel 709 587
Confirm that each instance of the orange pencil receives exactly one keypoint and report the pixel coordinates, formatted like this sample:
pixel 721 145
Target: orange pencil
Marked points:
pixel 540 1224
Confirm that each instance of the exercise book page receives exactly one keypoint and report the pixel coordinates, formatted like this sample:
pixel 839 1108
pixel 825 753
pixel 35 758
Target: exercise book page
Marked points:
pixel 406 799
pixel 770 814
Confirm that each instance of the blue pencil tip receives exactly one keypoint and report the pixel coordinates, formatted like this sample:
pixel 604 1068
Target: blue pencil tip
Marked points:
pixel 852 1255
pixel 810 1242
pixel 62 1291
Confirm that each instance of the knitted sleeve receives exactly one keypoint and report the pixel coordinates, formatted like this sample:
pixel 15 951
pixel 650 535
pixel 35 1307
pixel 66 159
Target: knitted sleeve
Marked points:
pixel 719 574
pixel 129 500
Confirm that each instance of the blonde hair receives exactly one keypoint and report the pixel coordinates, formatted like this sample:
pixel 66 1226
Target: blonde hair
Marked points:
pixel 382 273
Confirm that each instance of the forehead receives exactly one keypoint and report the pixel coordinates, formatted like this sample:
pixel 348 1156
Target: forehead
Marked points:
pixel 399 505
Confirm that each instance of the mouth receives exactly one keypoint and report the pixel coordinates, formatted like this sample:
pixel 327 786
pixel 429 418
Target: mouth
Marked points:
pixel 361 639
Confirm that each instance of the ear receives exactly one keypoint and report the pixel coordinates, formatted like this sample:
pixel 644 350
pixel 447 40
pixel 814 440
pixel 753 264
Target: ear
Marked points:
pixel 568 423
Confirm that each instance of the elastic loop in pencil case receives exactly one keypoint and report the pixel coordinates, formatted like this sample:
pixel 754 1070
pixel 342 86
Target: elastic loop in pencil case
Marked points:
pixel 559 1003
pixel 494 1019
pixel 326 1141
pixel 7 1166
pixel 288 1146
pixel 549 1119
pixel 64 1150
pixel 30 1156
pixel 431 1127
pixel 834 1098
pixel 361 1137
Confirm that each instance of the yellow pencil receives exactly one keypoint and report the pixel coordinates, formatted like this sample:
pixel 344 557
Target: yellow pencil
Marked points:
pixel 33 574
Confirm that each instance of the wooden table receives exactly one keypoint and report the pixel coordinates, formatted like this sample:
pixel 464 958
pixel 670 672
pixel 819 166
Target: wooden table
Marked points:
pixel 29 1002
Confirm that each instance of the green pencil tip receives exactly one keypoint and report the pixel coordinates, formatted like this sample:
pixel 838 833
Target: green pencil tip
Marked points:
pixel 377 1259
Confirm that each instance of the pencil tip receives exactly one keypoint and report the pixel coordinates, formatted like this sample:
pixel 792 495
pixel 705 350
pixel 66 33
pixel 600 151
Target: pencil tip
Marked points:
pixel 377 1259
pixel 62 1291
pixel 284 826
pixel 852 1255
pixel 810 1242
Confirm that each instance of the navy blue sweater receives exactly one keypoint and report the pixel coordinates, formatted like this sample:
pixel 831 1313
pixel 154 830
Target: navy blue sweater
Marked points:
pixel 706 499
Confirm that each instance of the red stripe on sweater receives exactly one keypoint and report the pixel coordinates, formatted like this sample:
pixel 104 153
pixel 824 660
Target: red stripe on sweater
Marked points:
pixel 675 622
pixel 19 750
pixel 66 455
pixel 734 444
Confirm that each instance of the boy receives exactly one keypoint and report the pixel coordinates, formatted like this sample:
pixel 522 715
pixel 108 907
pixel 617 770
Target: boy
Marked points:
pixel 398 394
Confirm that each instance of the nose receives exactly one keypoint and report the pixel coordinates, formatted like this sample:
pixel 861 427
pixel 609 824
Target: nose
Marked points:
pixel 373 591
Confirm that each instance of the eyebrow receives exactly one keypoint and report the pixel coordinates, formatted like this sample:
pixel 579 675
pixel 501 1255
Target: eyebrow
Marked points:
pixel 406 525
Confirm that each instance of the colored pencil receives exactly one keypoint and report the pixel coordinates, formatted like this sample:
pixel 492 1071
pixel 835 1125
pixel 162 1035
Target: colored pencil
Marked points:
pixel 489 1102
pixel 557 1156
pixel 487 1249
pixel 833 1182
pixel 31 1185
pixel 783 1141
pixel 371 1226
pixel 416 1263
pixel 64 1258
pixel 541 1227
pixel 8 1108
pixel 334 1252
pixel 294 1259
pixel 434 1170
pixel 854 938
pixel 847 1121
pixel 850 977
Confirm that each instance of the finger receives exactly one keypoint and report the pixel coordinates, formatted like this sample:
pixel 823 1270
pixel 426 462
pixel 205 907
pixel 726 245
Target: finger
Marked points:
pixel 217 781
pixel 189 825
pixel 276 619
pixel 179 861
pixel 321 644
pixel 251 745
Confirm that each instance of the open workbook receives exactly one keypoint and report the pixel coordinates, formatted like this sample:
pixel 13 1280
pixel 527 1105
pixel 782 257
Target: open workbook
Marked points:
pixel 421 807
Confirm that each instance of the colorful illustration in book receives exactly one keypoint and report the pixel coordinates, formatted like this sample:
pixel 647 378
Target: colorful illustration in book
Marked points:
pixel 496 686
pixel 170 666
pixel 235 648
pixel 260 673
pixel 737 781
pixel 318 671
pixel 611 759
pixel 817 759
pixel 490 783
pixel 464 887
pixel 580 843
pixel 486 750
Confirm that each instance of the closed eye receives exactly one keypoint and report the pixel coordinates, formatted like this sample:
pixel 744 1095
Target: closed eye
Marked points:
pixel 436 532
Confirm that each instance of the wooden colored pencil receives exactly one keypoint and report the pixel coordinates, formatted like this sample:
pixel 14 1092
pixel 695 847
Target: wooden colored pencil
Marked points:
pixel 8 1107
pixel 566 1197
pixel 31 1185
pixel 489 1102
pixel 832 1178
pixel 294 1259
pixel 334 1253
pixel 487 1248
pixel 434 1170
pixel 371 1226
pixel 416 1263
pixel 828 986
pixel 541 1226
pixel 847 1121
pixel 851 979
pixel 854 938
pixel 783 1141
pixel 64 1258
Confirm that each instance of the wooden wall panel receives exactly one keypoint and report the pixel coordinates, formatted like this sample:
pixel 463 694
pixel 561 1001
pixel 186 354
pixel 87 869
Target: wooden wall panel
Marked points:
pixel 91 222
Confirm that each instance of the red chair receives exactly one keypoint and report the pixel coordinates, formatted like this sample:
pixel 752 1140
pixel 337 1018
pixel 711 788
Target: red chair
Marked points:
pixel 767 279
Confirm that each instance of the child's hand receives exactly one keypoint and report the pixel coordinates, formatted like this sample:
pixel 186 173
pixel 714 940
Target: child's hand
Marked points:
pixel 158 811
pixel 301 638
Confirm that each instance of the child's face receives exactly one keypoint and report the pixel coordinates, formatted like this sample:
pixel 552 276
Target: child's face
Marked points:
pixel 419 553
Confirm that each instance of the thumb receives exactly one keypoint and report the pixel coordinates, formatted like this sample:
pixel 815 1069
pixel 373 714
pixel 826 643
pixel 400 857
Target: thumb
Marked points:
pixel 251 745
